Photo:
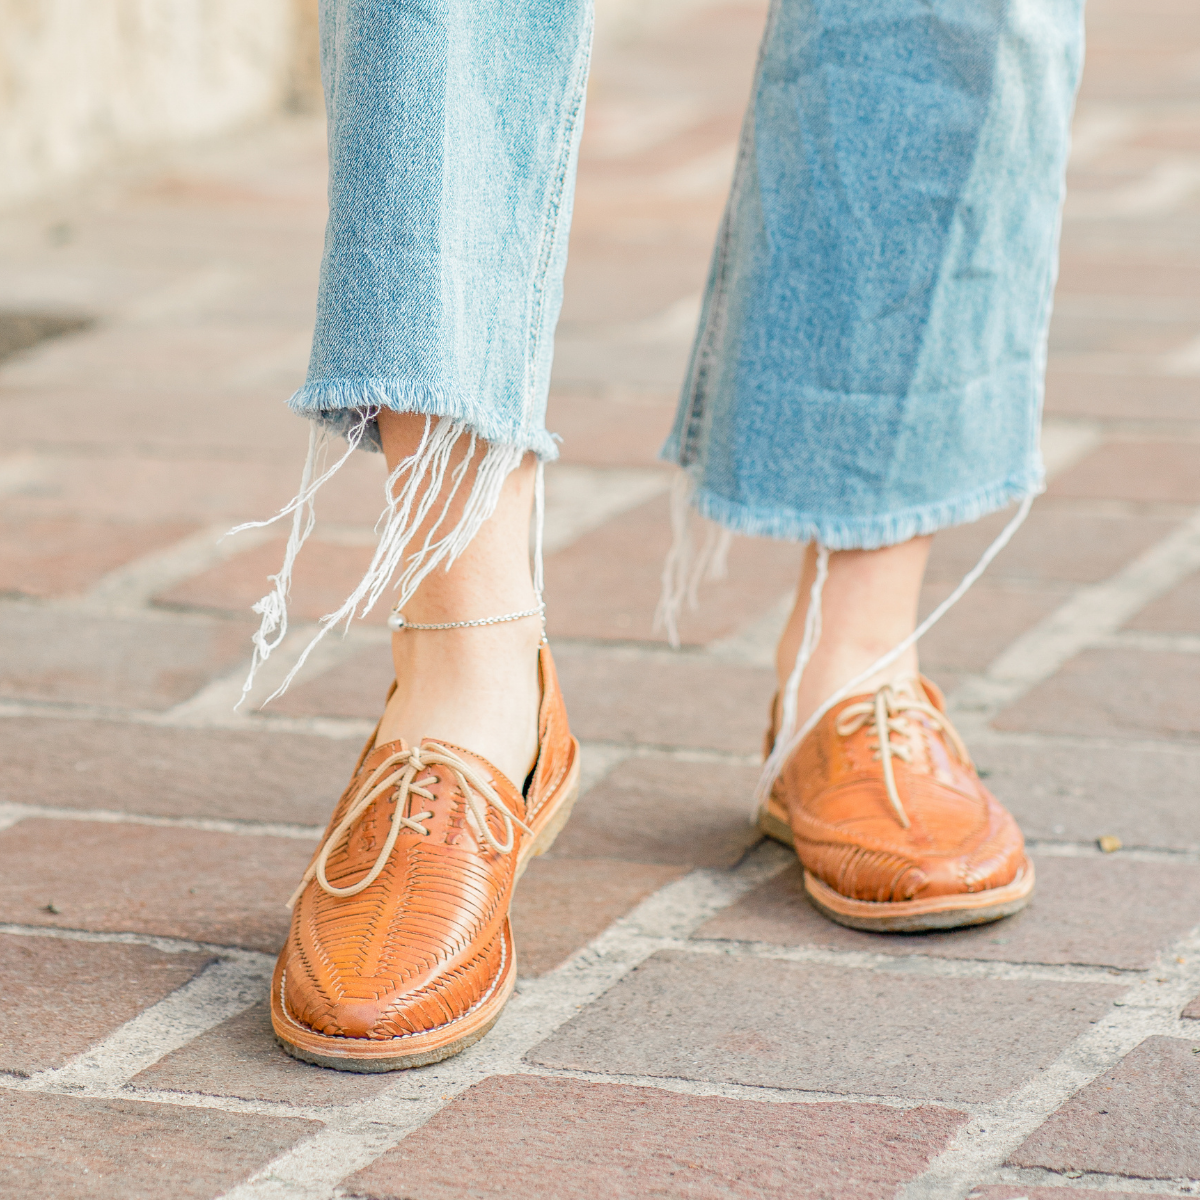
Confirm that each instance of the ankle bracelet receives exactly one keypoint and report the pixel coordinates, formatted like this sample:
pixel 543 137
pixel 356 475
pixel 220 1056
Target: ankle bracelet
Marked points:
pixel 399 622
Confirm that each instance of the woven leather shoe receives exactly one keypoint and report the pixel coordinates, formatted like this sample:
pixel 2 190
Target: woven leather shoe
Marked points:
pixel 401 952
pixel 891 822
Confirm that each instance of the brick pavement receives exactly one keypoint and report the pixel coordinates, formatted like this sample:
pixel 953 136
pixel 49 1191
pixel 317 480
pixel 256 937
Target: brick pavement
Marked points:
pixel 685 1024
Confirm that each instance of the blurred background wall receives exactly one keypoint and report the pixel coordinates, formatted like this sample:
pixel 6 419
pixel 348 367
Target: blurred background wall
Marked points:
pixel 87 82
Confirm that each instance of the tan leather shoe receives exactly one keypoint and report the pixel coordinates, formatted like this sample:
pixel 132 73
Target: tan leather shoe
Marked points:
pixel 401 952
pixel 895 831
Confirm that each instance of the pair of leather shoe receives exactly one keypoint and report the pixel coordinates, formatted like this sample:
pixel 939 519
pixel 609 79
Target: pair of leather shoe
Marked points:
pixel 401 952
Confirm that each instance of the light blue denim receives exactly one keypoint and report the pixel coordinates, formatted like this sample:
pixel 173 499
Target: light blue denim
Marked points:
pixel 453 137
pixel 870 358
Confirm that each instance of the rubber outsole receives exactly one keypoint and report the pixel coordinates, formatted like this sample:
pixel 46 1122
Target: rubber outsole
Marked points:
pixel 364 1065
pixel 921 916
pixel 907 916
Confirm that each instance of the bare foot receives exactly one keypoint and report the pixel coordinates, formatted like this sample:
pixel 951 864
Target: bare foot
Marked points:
pixel 474 688
pixel 868 606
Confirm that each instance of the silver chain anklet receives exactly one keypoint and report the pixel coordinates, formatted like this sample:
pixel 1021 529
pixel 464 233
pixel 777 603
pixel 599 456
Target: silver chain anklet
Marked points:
pixel 398 621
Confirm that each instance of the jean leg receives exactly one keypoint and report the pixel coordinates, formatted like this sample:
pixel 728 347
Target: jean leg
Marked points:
pixel 453 135
pixel 871 355
pixel 453 138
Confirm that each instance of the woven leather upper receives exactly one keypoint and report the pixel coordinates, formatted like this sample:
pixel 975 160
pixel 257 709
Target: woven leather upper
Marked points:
pixel 429 938
pixel 848 834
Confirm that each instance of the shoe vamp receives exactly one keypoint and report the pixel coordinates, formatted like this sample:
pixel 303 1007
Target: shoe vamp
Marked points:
pixel 851 837
pixel 942 819
pixel 426 931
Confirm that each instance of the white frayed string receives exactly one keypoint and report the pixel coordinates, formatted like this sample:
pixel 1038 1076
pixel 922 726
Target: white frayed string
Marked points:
pixel 812 635
pixel 413 490
pixel 711 563
pixel 678 561
pixel 684 570
pixel 273 606
pixel 786 745
pixel 718 563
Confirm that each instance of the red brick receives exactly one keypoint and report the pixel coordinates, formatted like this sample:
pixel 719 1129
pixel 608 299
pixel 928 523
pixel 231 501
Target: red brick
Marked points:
pixel 325 574
pixel 615 282
pixel 1097 274
pixel 1074 331
pixel 562 903
pixel 59 557
pixel 611 427
pixel 356 687
pixel 665 811
pixel 1140 1118
pixel 1054 545
pixel 63 1146
pixel 666 701
pixel 123 486
pixel 607 584
pixel 1148 472
pixel 294 778
pixel 1176 612
pixel 982 623
pixel 101 985
pixel 227 889
pixel 561 1139
pixel 1140 397
pixel 816 1027
pixel 1078 792
pixel 1102 911
pixel 245 424
pixel 240 1058
pixel 1117 693
pixel 124 662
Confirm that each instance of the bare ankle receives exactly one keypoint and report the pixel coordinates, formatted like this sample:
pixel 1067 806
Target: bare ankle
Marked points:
pixel 868 608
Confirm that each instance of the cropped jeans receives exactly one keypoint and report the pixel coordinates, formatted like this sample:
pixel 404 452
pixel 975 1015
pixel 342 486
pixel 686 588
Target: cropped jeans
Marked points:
pixel 870 358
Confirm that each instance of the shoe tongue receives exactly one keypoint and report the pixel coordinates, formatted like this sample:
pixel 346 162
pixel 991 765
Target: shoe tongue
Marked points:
pixel 380 751
pixel 491 773
pixel 907 685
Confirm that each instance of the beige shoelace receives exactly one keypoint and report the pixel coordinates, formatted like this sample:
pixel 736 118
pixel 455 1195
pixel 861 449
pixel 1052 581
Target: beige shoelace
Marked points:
pixel 888 712
pixel 400 770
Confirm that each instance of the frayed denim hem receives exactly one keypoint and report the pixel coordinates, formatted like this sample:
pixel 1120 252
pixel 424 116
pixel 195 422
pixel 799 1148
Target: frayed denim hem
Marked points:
pixel 337 403
pixel 866 533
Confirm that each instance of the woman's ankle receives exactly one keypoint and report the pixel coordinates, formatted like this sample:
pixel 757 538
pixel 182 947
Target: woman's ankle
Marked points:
pixel 832 667
pixel 869 607
pixel 474 688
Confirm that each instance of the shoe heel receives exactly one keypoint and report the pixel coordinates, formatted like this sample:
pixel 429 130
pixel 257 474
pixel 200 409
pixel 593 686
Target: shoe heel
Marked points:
pixel 554 826
pixel 560 814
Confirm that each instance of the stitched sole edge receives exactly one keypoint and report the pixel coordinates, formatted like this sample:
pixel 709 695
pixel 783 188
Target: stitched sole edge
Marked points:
pixel 365 1056
pixel 917 916
pixel 375 1066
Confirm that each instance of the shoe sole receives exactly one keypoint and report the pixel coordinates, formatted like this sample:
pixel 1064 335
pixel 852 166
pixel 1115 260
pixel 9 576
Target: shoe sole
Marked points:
pixel 422 1049
pixel 907 916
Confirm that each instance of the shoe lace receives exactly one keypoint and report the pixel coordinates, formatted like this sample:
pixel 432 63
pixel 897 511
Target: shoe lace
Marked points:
pixel 888 712
pixel 400 770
